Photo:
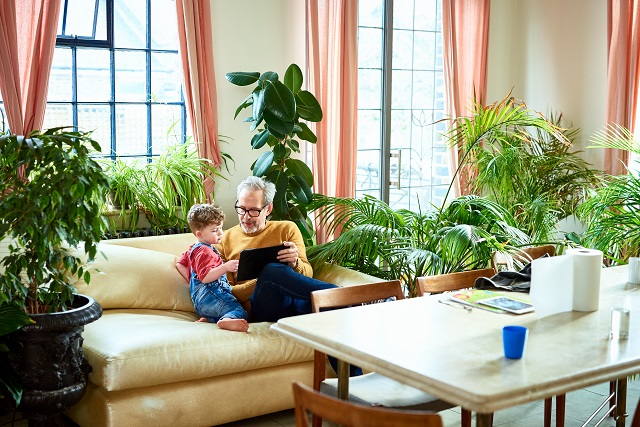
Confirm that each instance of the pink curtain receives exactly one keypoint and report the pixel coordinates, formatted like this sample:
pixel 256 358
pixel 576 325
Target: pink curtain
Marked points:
pixel 196 51
pixel 27 40
pixel 465 33
pixel 332 28
pixel 623 27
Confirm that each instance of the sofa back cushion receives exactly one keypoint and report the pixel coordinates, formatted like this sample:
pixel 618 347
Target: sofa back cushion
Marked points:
pixel 128 277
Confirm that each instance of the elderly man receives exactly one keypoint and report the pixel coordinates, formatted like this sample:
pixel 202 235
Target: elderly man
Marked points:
pixel 281 290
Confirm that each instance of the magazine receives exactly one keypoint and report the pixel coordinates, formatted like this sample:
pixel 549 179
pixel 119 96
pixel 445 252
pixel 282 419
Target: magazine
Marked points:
pixel 472 297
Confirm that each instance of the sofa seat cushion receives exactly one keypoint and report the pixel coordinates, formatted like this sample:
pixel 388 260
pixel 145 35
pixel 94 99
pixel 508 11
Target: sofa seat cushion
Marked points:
pixel 138 348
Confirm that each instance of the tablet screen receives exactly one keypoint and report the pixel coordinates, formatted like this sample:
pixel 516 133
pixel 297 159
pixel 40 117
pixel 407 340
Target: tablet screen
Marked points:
pixel 252 261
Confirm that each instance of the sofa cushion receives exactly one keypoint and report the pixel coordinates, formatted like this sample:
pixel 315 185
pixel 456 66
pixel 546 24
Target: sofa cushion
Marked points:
pixel 126 277
pixel 174 244
pixel 138 348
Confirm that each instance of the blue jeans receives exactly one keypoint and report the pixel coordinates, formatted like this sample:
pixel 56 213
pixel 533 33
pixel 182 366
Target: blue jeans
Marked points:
pixel 214 301
pixel 281 292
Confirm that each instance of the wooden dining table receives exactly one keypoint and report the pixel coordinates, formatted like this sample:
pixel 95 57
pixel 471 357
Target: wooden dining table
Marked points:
pixel 457 354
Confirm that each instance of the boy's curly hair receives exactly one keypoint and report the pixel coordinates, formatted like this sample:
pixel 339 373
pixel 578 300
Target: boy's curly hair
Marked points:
pixel 203 215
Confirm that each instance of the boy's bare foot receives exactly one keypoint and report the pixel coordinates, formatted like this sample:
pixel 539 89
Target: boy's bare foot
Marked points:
pixel 203 320
pixel 239 325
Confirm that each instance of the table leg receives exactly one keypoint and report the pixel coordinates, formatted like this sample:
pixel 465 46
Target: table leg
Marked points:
pixel 621 402
pixel 484 420
pixel 343 380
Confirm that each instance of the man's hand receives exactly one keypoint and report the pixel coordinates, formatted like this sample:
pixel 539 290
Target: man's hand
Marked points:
pixel 289 255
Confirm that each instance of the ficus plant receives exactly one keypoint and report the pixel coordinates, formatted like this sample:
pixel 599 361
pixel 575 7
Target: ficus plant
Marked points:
pixel 279 110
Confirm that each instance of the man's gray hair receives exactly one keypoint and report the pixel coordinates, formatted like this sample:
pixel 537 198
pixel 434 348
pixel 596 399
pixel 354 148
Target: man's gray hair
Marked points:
pixel 256 183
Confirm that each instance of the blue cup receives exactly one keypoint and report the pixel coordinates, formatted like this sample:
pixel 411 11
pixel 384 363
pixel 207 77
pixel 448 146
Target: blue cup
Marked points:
pixel 514 339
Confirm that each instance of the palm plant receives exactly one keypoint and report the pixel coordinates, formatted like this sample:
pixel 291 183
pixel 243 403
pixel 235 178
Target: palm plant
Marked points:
pixel 612 213
pixel 401 244
pixel 539 180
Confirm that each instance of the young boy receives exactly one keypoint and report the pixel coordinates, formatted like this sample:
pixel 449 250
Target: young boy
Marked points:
pixel 205 270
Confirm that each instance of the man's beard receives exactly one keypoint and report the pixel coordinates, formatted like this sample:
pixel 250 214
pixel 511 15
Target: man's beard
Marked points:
pixel 253 229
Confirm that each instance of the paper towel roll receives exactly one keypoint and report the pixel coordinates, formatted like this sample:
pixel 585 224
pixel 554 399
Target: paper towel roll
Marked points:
pixel 587 266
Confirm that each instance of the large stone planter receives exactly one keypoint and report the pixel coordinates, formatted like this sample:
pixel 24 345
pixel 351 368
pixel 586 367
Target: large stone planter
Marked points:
pixel 50 363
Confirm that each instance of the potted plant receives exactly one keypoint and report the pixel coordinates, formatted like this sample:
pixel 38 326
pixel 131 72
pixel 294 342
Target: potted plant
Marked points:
pixel 124 187
pixel 278 112
pixel 52 192
pixel 611 212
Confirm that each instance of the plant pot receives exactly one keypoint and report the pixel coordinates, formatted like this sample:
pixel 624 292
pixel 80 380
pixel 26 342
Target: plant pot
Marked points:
pixel 50 364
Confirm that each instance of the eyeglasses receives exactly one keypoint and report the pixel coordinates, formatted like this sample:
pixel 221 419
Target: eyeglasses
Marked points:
pixel 252 212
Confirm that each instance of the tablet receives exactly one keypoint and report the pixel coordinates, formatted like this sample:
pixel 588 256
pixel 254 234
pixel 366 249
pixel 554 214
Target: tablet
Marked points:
pixel 252 261
pixel 507 304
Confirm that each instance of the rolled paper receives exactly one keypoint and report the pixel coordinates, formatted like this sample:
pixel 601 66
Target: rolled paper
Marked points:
pixel 587 266
pixel 634 271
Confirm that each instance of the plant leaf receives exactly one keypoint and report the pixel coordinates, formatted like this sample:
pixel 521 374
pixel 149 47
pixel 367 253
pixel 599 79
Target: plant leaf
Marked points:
pixel 306 133
pixel 308 106
pixel 300 168
pixel 280 101
pixel 263 164
pixel 242 78
pixel 293 78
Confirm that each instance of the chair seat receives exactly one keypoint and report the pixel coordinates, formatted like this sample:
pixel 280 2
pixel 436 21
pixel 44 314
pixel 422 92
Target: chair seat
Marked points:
pixel 377 390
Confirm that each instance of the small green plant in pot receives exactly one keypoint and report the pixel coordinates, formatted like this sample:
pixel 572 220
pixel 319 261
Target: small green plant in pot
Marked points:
pixel 52 198
pixel 278 111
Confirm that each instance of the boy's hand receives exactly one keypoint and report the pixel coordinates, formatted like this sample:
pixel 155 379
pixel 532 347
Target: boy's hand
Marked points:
pixel 231 266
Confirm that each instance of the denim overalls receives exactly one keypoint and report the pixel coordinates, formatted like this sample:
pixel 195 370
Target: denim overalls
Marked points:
pixel 214 300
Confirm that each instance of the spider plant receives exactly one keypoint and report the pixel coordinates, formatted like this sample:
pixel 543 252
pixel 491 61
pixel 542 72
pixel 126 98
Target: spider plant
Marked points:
pixel 401 244
pixel 124 177
pixel 521 159
pixel 612 213
pixel 180 173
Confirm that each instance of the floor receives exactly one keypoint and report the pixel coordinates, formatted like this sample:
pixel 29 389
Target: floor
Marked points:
pixel 579 407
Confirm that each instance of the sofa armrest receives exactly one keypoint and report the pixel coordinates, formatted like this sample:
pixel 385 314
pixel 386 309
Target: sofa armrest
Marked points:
pixel 342 276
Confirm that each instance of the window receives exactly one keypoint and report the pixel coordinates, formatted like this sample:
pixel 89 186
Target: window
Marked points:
pixel 116 70
pixel 400 97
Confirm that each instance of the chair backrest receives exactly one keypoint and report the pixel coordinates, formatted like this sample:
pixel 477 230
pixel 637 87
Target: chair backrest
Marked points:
pixel 523 256
pixel 350 414
pixel 355 294
pixel 343 297
pixel 451 281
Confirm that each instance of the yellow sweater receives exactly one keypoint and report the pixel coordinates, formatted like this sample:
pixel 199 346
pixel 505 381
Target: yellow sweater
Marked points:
pixel 234 240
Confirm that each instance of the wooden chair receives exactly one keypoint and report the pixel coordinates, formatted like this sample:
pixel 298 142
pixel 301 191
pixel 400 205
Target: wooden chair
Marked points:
pixel 350 414
pixel 370 389
pixel 523 256
pixel 467 279
pixel 636 416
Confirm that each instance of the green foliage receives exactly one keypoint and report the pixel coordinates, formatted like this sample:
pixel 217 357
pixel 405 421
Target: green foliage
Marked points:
pixel 174 179
pixel 401 244
pixel 612 213
pixel 277 109
pixel 52 196
pixel 524 163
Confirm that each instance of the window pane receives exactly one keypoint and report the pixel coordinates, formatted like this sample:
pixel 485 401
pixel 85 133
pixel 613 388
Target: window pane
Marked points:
pixel 427 16
pixel 368 170
pixel 424 53
pixel 370 13
pixel 369 130
pixel 130 23
pixel 57 115
pixel 371 56
pixel 131 129
pixel 402 89
pixel 167 37
pixel 60 78
pixel 131 76
pixel 96 118
pixel 94 83
pixel 166 126
pixel 370 88
pixel 166 77
pixel 423 84
pixel 85 19
pixel 402 49
pixel 403 14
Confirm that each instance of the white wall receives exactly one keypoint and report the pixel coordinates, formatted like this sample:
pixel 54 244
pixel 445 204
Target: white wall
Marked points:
pixel 250 35
pixel 554 54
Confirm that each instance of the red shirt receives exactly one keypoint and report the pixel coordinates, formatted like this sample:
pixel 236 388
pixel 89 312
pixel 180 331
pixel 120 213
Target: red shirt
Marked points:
pixel 202 260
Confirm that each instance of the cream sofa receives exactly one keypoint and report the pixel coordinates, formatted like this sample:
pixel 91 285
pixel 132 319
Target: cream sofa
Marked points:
pixel 153 365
